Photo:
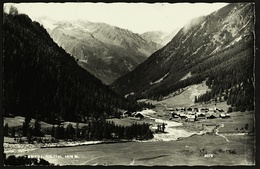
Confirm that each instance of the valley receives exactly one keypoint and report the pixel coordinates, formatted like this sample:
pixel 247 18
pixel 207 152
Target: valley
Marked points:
pixel 89 93
pixel 211 142
pixel 203 149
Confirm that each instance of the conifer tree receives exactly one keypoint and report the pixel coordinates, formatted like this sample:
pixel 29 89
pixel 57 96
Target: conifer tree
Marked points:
pixel 70 131
pixel 77 130
pixel 26 125
pixel 59 132
pixel 29 135
pixel 53 131
pixel 37 128
pixel 6 128
pixel 13 132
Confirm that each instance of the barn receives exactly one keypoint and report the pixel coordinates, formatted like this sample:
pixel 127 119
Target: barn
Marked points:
pixel 139 115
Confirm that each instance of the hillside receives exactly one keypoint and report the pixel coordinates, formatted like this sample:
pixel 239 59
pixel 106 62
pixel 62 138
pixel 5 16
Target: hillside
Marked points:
pixel 106 51
pixel 218 48
pixel 39 77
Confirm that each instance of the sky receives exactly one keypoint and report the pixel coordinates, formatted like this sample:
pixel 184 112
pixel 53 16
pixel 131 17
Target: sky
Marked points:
pixel 137 17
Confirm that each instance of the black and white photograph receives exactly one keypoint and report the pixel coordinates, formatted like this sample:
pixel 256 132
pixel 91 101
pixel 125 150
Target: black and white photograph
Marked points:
pixel 128 84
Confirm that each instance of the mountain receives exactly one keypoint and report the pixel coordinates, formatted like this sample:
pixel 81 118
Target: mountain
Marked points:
pixel 217 48
pixel 106 51
pixel 155 36
pixel 158 37
pixel 39 77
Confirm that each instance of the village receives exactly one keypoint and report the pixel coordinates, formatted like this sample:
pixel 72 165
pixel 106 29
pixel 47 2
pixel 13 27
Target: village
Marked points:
pixel 195 114
pixel 190 114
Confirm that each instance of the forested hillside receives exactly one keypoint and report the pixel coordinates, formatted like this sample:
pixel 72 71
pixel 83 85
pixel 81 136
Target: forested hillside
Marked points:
pixel 41 78
pixel 217 48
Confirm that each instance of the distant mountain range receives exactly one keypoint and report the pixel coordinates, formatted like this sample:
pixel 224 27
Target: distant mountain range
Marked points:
pixel 158 37
pixel 106 51
pixel 217 48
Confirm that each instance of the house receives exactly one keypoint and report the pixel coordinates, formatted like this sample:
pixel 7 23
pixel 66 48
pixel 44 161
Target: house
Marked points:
pixel 183 109
pixel 212 116
pixel 222 115
pixel 204 110
pixel 191 118
pixel 201 115
pixel 220 110
pixel 196 109
pixel 174 114
pixel 189 111
pixel 211 112
pixel 126 114
pixel 183 116
pixel 227 115
pixel 169 109
pixel 139 115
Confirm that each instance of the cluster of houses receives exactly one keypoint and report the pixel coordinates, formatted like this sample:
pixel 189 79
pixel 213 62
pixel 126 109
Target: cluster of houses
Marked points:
pixel 134 115
pixel 195 114
pixel 187 114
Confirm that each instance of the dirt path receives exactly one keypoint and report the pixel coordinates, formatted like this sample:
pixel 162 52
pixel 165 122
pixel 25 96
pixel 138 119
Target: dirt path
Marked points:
pixel 86 162
pixel 221 135
pixel 132 162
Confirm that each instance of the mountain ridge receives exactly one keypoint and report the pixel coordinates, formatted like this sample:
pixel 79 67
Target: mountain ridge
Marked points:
pixel 106 51
pixel 193 55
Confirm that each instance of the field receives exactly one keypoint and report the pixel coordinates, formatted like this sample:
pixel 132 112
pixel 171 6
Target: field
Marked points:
pixel 189 151
pixel 185 99
pixel 18 121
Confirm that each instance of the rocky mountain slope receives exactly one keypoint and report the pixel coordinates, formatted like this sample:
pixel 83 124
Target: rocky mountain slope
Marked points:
pixel 218 48
pixel 106 51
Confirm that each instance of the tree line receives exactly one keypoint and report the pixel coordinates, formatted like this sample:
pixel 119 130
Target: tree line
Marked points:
pixel 93 130
pixel 102 130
